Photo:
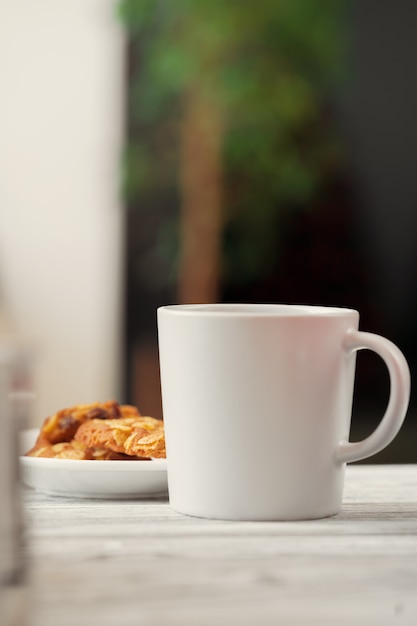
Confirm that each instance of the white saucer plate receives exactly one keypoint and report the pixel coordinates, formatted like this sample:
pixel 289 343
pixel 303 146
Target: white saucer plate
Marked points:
pixel 91 479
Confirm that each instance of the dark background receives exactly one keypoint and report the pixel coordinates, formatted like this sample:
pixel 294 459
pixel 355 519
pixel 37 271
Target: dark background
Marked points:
pixel 355 246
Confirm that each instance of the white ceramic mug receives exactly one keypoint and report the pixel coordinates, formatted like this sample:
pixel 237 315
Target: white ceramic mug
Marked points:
pixel 257 403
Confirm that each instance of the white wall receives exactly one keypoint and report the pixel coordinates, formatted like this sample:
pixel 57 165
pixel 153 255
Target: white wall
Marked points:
pixel 61 132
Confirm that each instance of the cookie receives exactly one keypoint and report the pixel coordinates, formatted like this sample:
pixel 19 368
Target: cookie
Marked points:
pixel 57 436
pixel 75 450
pixel 62 426
pixel 64 450
pixel 134 436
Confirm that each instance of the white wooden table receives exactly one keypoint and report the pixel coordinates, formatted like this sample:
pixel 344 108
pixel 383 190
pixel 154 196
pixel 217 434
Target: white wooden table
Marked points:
pixel 112 563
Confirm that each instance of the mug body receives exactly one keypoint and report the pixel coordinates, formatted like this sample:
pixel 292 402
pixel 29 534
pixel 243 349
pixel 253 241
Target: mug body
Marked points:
pixel 256 399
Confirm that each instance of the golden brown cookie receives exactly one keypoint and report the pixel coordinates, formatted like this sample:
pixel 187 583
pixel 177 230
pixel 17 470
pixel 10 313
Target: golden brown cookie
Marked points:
pixel 75 450
pixel 62 426
pixel 64 450
pixel 135 436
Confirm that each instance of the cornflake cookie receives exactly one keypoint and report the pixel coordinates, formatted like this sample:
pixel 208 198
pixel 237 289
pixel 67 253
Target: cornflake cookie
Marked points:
pixel 75 450
pixel 137 436
pixel 56 438
pixel 63 450
pixel 63 425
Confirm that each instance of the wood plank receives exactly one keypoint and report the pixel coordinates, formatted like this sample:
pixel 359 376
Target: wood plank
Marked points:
pixel 138 562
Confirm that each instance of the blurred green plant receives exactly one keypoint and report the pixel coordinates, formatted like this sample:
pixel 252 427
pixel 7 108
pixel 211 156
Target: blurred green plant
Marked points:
pixel 267 68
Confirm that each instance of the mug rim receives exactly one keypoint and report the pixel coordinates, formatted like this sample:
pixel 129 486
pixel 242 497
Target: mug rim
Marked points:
pixel 230 309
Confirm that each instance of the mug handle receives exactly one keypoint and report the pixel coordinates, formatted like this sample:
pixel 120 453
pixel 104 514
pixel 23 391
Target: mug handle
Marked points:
pixel 395 413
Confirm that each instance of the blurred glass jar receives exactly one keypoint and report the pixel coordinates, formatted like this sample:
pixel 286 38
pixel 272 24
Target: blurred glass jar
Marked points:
pixel 15 402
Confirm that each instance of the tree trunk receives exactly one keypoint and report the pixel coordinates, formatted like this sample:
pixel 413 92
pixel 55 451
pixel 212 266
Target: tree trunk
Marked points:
pixel 201 210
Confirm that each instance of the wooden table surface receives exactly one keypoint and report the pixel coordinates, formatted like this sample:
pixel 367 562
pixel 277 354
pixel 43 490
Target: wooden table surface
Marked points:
pixel 115 563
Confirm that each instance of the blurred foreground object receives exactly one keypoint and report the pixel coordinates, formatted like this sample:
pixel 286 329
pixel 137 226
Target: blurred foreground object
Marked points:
pixel 14 407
